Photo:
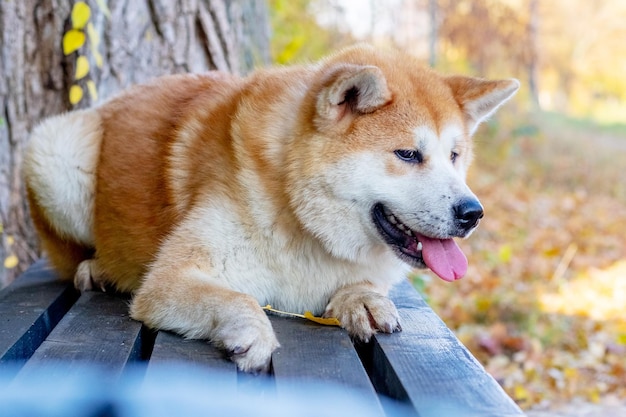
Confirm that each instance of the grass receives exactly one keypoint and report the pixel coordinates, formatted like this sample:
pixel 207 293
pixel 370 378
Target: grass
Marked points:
pixel 559 120
pixel 542 304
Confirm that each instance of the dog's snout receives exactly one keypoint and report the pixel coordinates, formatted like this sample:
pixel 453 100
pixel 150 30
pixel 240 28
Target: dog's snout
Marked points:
pixel 468 212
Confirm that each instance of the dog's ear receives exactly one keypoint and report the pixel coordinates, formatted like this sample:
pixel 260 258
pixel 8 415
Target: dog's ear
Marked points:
pixel 480 98
pixel 351 90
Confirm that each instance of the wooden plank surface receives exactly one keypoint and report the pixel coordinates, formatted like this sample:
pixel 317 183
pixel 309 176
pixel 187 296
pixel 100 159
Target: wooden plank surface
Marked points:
pixel 426 365
pixel 46 327
pixel 96 332
pixel 29 309
pixel 311 352
pixel 172 349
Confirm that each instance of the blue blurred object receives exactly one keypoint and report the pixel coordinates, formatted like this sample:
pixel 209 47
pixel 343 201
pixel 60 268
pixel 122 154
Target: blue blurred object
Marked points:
pixel 173 390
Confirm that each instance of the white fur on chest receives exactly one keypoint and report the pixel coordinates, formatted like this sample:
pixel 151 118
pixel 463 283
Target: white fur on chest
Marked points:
pixel 290 272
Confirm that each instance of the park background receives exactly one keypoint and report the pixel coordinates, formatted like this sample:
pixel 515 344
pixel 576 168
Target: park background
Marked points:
pixel 543 305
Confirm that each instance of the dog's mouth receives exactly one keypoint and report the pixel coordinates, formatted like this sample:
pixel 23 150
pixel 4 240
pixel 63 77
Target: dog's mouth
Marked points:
pixel 442 256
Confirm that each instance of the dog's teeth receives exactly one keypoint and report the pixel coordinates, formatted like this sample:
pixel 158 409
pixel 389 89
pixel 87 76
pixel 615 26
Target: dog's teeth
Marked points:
pixel 398 224
pixel 419 245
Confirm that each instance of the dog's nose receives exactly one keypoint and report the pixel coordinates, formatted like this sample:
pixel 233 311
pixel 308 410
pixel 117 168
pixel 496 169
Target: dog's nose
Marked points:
pixel 467 213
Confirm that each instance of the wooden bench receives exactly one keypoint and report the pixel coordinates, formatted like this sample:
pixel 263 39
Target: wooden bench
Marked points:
pixel 423 370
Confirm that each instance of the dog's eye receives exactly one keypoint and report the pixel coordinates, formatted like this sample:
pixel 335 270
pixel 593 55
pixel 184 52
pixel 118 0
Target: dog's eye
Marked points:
pixel 453 156
pixel 409 155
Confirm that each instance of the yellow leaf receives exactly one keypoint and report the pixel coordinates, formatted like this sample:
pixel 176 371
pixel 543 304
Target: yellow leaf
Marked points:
pixel 81 13
pixel 273 310
pixel 94 37
pixel 76 94
pixel 570 374
pixel 330 321
pixel 98 58
pixel 93 91
pixel 82 67
pixel 520 393
pixel 594 395
pixel 307 315
pixel 483 304
pixel 552 252
pixel 11 262
pixel 102 5
pixel 505 253
pixel 10 240
pixel 72 41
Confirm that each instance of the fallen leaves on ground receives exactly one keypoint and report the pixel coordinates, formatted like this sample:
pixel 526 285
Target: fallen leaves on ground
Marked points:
pixel 543 305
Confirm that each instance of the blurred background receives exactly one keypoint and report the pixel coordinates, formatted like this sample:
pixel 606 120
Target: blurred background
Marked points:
pixel 543 305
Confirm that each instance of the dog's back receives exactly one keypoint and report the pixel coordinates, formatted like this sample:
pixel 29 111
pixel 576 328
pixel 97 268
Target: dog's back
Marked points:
pixel 67 177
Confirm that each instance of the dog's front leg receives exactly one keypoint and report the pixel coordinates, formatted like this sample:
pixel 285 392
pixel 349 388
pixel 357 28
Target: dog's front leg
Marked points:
pixel 363 310
pixel 190 302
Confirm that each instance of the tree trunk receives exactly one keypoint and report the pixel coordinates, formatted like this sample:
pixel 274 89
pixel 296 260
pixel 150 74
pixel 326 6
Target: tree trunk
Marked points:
pixel 127 42
pixel 433 33
pixel 533 68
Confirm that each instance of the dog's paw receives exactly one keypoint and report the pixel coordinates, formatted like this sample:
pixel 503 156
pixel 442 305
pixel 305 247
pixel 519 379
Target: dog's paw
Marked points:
pixel 248 341
pixel 363 312
pixel 234 322
pixel 86 278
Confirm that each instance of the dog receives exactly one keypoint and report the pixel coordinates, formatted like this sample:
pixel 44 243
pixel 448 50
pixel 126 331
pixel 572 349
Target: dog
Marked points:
pixel 310 188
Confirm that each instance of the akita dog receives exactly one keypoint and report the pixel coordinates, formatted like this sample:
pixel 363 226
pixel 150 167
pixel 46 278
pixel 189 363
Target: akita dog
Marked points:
pixel 311 187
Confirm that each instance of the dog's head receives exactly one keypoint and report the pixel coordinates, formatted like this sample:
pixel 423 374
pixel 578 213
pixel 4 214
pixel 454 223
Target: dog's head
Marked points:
pixel 382 157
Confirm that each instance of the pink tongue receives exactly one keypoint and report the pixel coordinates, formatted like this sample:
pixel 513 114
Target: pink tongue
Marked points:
pixel 443 257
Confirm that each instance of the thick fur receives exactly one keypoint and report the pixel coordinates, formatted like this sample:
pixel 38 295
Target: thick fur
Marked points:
pixel 210 195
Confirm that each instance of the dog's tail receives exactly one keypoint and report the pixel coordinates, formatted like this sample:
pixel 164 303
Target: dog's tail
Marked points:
pixel 60 171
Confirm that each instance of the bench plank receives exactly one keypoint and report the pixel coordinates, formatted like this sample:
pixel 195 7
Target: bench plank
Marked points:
pixel 172 348
pixel 30 308
pixel 96 331
pixel 428 366
pixel 311 352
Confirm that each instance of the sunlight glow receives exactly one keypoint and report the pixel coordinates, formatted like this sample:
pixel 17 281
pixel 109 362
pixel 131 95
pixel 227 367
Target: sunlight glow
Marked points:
pixel 599 294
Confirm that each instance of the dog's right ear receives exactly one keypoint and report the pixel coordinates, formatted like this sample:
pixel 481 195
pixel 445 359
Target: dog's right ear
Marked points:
pixel 351 90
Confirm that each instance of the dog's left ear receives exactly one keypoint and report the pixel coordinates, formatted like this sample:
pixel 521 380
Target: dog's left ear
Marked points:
pixel 480 98
pixel 351 90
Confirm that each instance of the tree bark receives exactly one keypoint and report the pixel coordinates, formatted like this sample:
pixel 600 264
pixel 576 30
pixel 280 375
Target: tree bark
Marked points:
pixel 136 40
pixel 433 33
pixel 533 67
